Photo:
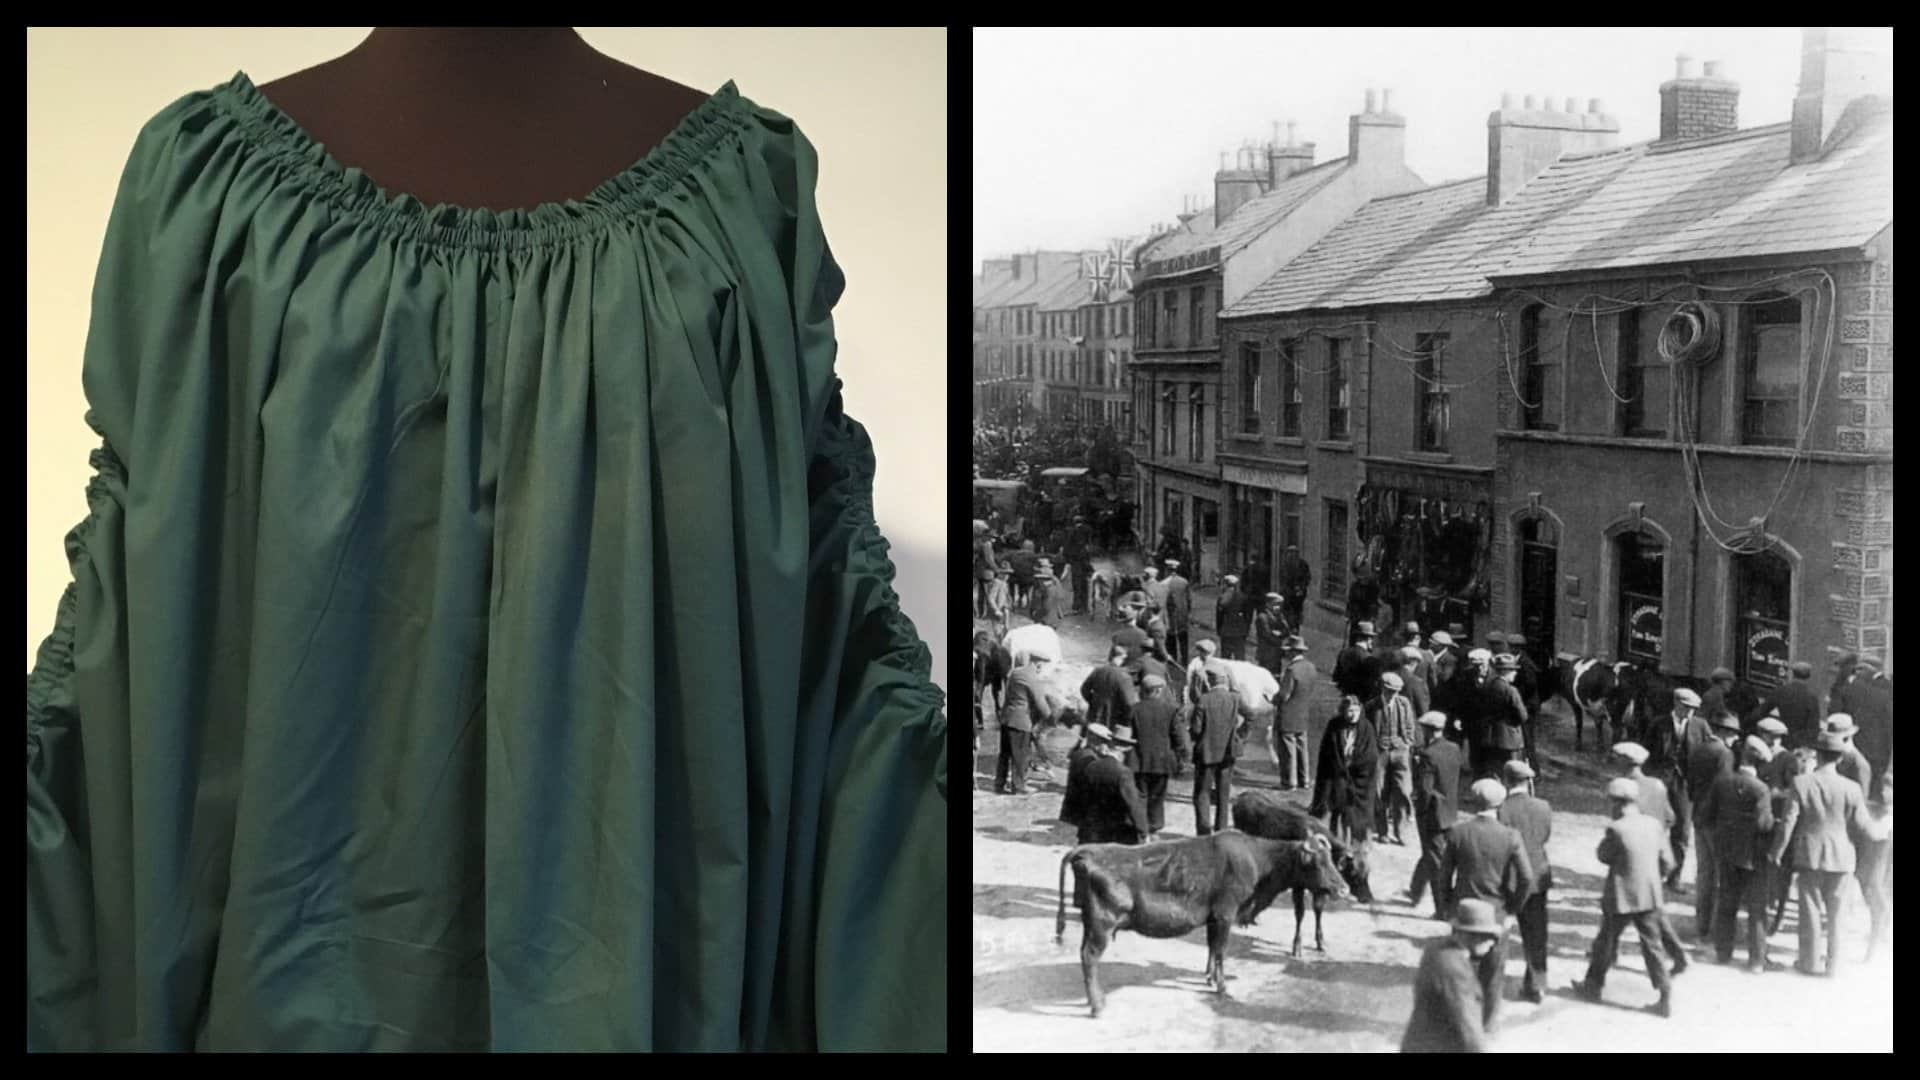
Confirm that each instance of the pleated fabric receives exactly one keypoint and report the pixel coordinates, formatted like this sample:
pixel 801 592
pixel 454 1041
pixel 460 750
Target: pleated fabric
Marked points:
pixel 480 637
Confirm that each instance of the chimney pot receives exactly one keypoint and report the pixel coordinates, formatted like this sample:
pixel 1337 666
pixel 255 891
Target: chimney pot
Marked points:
pixel 1593 106
pixel 1386 100
pixel 1370 99
pixel 1506 99
pixel 1713 69
pixel 1683 66
pixel 1529 104
pixel 1290 125
pixel 1573 106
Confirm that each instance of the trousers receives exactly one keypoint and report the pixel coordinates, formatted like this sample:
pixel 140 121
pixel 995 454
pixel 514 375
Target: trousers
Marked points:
pixel 1217 781
pixel 1153 788
pixel 1433 845
pixel 1607 945
pixel 1012 765
pixel 1533 941
pixel 1705 884
pixel 1293 760
pixel 1740 888
pixel 1820 910
pixel 1393 779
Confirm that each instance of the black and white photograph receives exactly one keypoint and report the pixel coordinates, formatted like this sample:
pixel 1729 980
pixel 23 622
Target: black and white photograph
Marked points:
pixel 1432 539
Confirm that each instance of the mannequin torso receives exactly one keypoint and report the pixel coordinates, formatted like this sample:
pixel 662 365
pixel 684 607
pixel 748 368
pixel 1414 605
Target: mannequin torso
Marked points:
pixel 500 118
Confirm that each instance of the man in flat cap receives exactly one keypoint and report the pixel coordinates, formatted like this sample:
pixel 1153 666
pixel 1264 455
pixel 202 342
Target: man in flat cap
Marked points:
pixel 1270 634
pixel 1816 837
pixel 1048 598
pixel 1670 742
pixel 1161 735
pixel 1656 804
pixel 1232 618
pixel 1392 717
pixel 1485 860
pixel 1637 855
pixel 1436 797
pixel 1798 703
pixel 1296 577
pixel 1156 590
pixel 1738 814
pixel 1412 638
pixel 1179 611
pixel 1451 988
pixel 1414 684
pixel 1029 706
pixel 1869 700
pixel 1293 707
pixel 1727 691
pixel 1217 726
pixel 1532 817
pixel 1502 716
pixel 1446 664
pixel 1706 764
pixel 1102 800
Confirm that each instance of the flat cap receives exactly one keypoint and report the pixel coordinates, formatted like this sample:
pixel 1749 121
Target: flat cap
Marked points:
pixel 1440 637
pixel 1756 747
pixel 1488 793
pixel 1152 682
pixel 1802 669
pixel 1507 662
pixel 1231 579
pixel 1720 674
pixel 1840 724
pixel 1684 696
pixel 1480 656
pixel 1497 636
pixel 1515 771
pixel 1516 640
pixel 1411 655
pixel 1623 789
pixel 1172 563
pixel 1632 751
pixel 1772 726
pixel 1294 643
pixel 1207 646
pixel 1726 721
pixel 1392 681
pixel 1433 719
pixel 1274 596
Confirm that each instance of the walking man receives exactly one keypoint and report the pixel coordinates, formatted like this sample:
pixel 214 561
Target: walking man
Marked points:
pixel 1270 635
pixel 1355 672
pixel 1638 855
pixel 1102 800
pixel 1231 619
pixel 1485 860
pixel 1392 716
pixel 1292 707
pixel 1708 762
pixel 1657 805
pixel 1436 795
pixel 1825 818
pixel 1452 987
pixel 1028 704
pixel 1670 744
pixel 1217 727
pixel 1531 817
pixel 1161 746
pixel 1109 691
pixel 1179 603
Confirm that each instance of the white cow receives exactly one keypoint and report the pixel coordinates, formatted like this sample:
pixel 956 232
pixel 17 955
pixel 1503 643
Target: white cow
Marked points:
pixel 1028 643
pixel 1254 684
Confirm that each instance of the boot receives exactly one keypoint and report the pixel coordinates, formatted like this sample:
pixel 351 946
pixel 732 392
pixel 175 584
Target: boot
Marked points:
pixel 1664 1007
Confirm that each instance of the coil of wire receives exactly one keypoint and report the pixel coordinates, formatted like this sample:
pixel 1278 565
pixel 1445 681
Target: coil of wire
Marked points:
pixel 1691 335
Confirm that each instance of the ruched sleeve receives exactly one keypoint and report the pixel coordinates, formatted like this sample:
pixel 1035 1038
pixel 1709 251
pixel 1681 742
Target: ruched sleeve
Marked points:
pixel 60 908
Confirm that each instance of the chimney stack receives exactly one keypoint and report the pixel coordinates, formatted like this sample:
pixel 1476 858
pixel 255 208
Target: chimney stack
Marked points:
pixel 1233 188
pixel 1696 107
pixel 1286 159
pixel 1522 142
pixel 1377 141
pixel 1837 68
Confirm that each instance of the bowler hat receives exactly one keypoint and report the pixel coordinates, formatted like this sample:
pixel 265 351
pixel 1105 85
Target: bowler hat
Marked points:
pixel 1364 629
pixel 1479 656
pixel 1476 916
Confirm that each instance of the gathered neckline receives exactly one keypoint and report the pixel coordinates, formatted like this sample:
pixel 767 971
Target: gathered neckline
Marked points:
pixel 306 162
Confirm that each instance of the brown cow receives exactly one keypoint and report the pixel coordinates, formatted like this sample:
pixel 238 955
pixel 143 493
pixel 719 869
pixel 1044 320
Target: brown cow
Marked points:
pixel 1266 814
pixel 1172 888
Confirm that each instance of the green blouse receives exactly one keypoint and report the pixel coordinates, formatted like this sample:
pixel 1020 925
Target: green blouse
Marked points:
pixel 480 637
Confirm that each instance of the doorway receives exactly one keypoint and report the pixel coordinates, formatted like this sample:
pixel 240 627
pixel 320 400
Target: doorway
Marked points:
pixel 1206 538
pixel 1763 609
pixel 1539 576
pixel 1642 561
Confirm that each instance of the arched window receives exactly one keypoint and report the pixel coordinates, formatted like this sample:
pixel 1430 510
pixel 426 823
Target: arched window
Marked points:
pixel 1642 562
pixel 1762 616
pixel 1770 374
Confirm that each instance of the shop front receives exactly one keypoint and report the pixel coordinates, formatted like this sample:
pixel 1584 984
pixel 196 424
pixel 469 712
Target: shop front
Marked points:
pixel 1264 507
pixel 1426 539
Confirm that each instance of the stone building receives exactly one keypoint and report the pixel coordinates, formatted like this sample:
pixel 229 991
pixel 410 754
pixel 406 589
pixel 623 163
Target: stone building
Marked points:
pixel 1008 339
pixel 1273 205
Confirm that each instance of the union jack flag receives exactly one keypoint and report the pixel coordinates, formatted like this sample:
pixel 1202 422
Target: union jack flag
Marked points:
pixel 1110 272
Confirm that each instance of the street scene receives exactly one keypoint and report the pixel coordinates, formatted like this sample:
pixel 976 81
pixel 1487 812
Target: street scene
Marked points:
pixel 1429 614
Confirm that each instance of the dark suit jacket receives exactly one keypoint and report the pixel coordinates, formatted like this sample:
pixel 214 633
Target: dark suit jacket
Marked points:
pixel 1269 633
pixel 1706 763
pixel 1111 809
pixel 1230 615
pixel 1295 700
pixel 1638 858
pixel 1110 695
pixel 1162 735
pixel 1505 715
pixel 1738 812
pixel 1486 860
pixel 1448 1002
pixel 1799 706
pixel 1343 782
pixel 1215 727
pixel 1436 783
pixel 1179 601
pixel 1532 818
pixel 1668 753
pixel 1356 672
pixel 1073 807
pixel 1026 700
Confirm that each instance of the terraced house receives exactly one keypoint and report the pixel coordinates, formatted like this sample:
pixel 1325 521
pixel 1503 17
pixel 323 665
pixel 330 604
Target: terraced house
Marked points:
pixel 1008 333
pixel 1271 206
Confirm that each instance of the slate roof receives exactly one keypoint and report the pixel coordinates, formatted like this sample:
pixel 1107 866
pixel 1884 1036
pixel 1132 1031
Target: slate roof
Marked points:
pixel 1252 218
pixel 1434 244
pixel 1066 293
pixel 1732 196
pixel 1053 265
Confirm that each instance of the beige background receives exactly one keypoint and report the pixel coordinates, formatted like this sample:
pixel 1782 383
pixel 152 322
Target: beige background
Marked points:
pixel 873 101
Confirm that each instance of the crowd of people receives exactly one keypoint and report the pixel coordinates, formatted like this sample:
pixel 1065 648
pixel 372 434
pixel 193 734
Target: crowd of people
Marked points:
pixel 1768 790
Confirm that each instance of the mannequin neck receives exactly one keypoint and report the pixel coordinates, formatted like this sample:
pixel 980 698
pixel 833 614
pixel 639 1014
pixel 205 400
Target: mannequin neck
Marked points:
pixel 483 55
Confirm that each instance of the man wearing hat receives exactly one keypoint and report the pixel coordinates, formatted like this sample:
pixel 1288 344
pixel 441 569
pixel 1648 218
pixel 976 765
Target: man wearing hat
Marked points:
pixel 1296 577
pixel 1532 817
pixel 1354 670
pixel 1798 704
pixel 999 601
pixel 1413 683
pixel 1023 564
pixel 1411 637
pixel 1451 989
pixel 1156 590
pixel 1853 764
pixel 1656 804
pixel 1102 800
pixel 984 564
pixel 1725 691
pixel 1217 725
pixel 1179 604
pixel 1047 596
pixel 1485 860
pixel 1496 642
pixel 1436 794
pixel 1293 707
pixel 1232 619
pixel 1738 814
pixel 1162 746
pixel 1206 657
pixel 1392 717
pixel 1270 634
pixel 1670 742
pixel 1343 776
pixel 1869 700
pixel 1446 662
pixel 1706 764
pixel 1526 679
pixel 1815 838
pixel 1363 597
pixel 1500 715
pixel 1109 691
pixel 1028 705
pixel 1637 856
pixel 1779 770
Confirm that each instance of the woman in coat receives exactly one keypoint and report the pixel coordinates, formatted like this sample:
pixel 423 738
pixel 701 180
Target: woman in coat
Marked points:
pixel 1343 781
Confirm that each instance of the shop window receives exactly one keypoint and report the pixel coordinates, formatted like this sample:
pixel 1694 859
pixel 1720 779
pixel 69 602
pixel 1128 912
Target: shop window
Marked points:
pixel 1339 403
pixel 1290 509
pixel 1763 610
pixel 1642 562
pixel 1250 403
pixel 1771 374
pixel 1430 367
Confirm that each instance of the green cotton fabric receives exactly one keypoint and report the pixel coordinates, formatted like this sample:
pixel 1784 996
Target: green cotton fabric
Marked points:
pixel 480 637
